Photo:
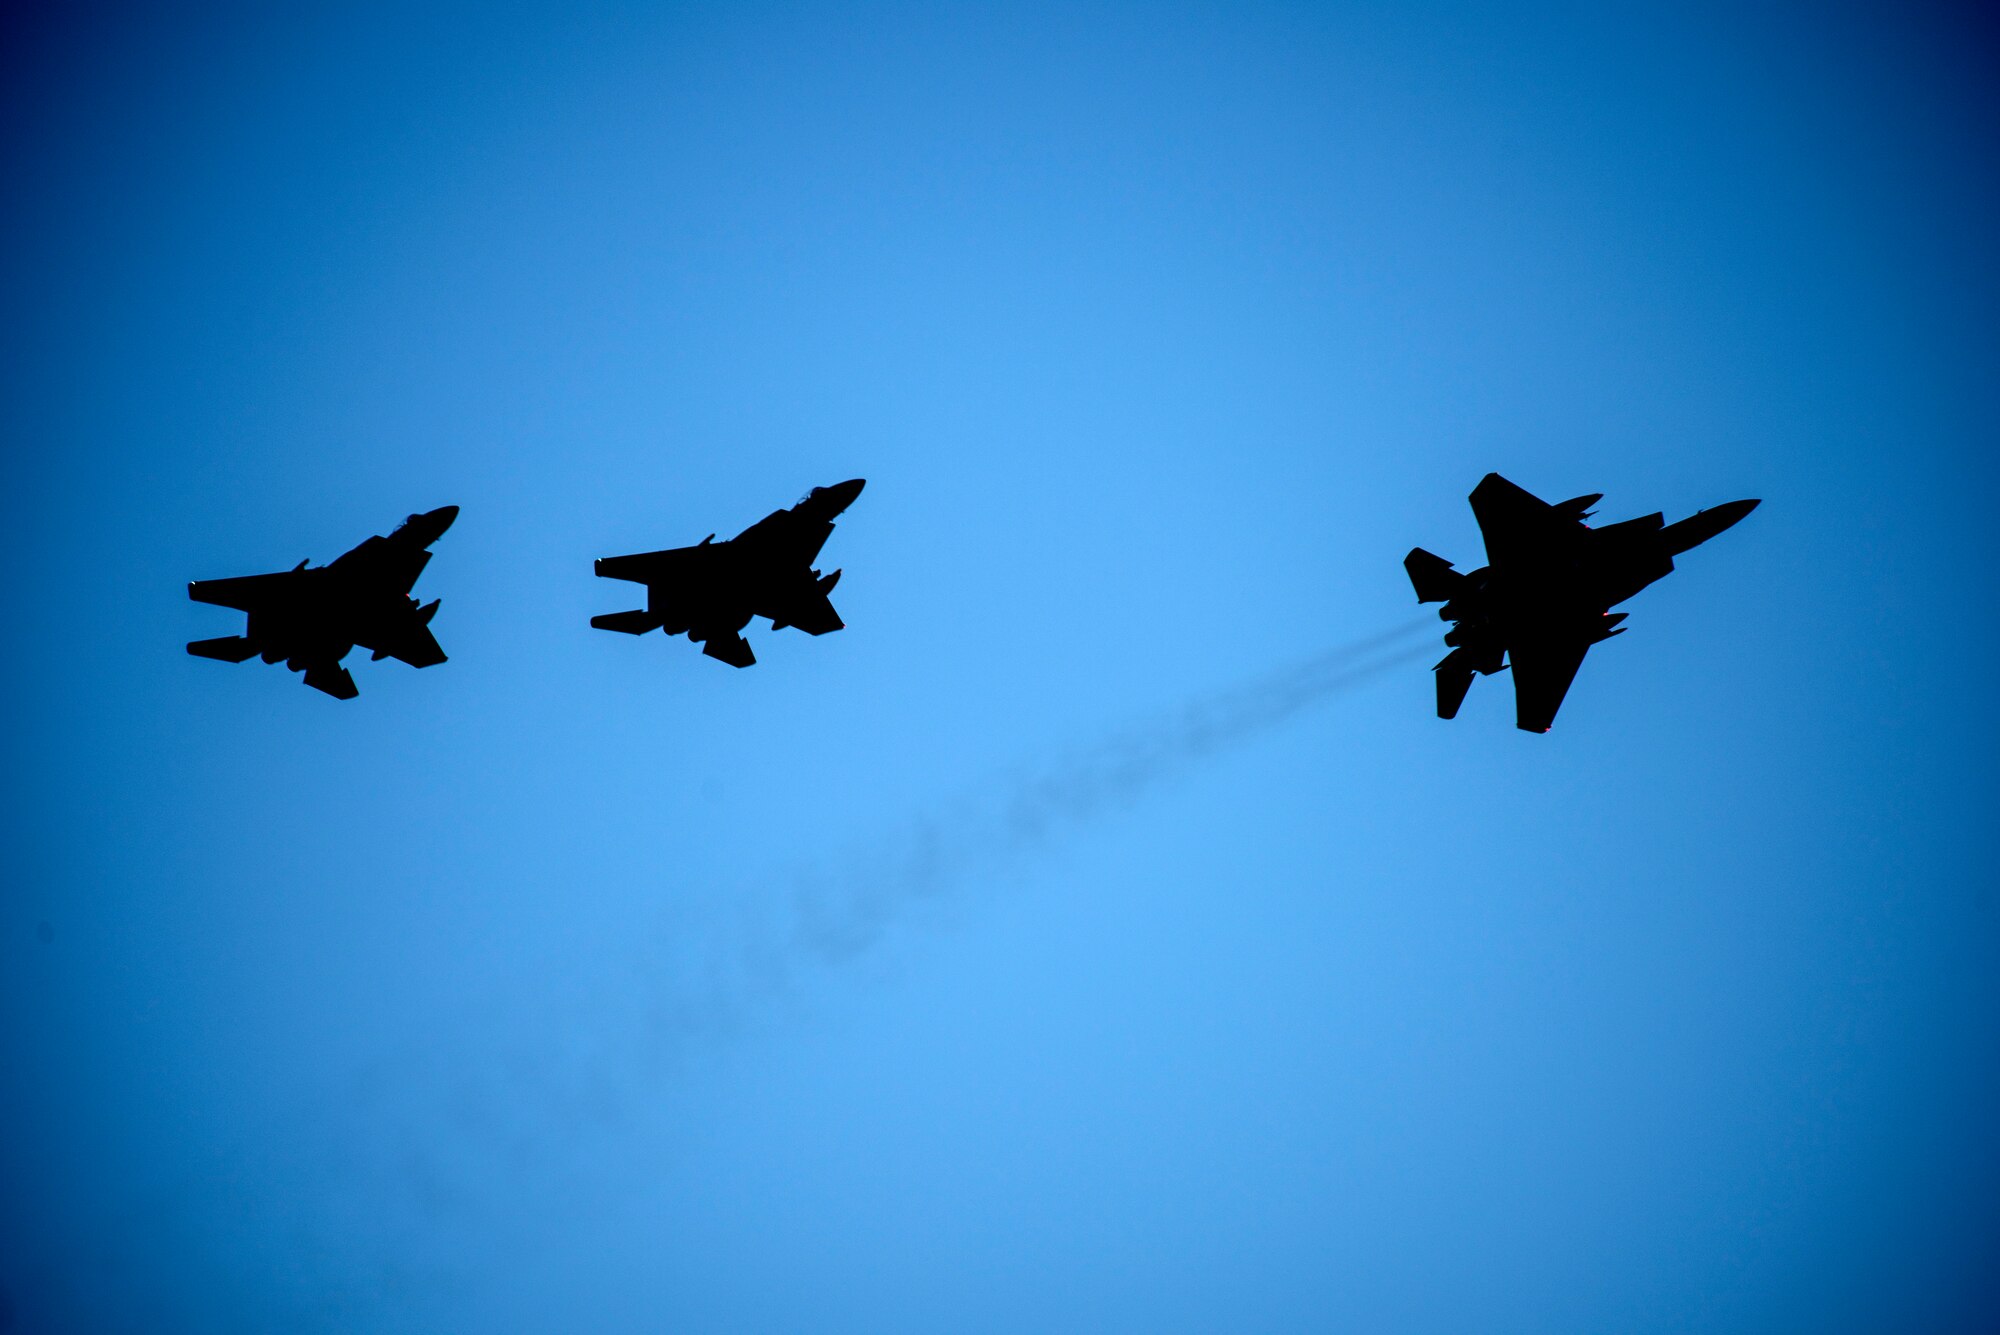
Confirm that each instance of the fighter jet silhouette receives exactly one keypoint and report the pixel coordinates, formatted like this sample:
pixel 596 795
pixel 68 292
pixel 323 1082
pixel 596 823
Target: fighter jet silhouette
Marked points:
pixel 312 616
pixel 710 591
pixel 1546 592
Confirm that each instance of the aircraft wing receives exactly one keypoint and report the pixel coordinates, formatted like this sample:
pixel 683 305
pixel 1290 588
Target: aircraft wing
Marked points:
pixel 333 679
pixel 676 563
pixel 389 563
pixel 813 614
pixel 1543 668
pixel 247 593
pixel 728 646
pixel 415 645
pixel 1520 528
pixel 809 608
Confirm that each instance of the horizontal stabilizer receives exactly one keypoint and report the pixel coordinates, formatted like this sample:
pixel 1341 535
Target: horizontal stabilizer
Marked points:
pixel 228 649
pixel 1454 679
pixel 1432 576
pixel 333 679
pixel 628 623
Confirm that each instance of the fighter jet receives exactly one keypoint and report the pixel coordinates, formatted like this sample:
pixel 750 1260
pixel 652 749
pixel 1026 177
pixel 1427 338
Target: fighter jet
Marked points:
pixel 311 616
pixel 710 591
pixel 1546 592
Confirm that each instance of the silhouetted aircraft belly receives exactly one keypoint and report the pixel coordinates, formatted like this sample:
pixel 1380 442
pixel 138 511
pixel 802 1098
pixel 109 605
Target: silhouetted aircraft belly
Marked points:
pixel 312 617
pixel 710 591
pixel 1544 596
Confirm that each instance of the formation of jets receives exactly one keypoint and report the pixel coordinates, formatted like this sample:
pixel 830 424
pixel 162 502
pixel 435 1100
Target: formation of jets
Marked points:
pixel 312 616
pixel 1542 599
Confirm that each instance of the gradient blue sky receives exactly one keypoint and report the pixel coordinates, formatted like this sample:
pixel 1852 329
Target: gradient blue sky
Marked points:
pixel 584 984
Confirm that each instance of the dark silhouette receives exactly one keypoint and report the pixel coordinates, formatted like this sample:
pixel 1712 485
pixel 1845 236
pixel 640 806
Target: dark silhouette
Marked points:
pixel 311 617
pixel 1544 596
pixel 711 590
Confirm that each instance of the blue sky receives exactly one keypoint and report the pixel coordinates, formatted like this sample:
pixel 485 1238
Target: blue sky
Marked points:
pixel 934 975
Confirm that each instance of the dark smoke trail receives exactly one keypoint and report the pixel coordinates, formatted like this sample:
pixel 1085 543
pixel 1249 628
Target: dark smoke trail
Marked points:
pixel 838 913
pixel 445 1143
pixel 698 977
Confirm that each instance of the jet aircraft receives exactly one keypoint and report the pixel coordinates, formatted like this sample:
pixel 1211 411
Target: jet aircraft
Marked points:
pixel 312 616
pixel 1546 592
pixel 710 591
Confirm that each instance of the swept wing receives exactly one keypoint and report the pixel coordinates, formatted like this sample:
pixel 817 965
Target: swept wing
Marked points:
pixel 249 593
pixel 1543 666
pixel 1520 528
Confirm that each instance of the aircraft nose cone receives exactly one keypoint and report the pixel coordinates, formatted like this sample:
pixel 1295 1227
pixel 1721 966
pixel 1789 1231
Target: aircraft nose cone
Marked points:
pixel 841 494
pixel 1727 516
pixel 1702 525
pixel 429 526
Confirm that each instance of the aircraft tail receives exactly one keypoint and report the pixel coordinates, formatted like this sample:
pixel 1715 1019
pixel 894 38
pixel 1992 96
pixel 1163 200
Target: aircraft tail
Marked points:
pixel 1432 576
pixel 1454 679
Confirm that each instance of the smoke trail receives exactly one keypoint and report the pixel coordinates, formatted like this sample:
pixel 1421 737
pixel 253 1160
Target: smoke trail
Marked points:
pixel 831 914
pixel 446 1142
pixel 690 977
